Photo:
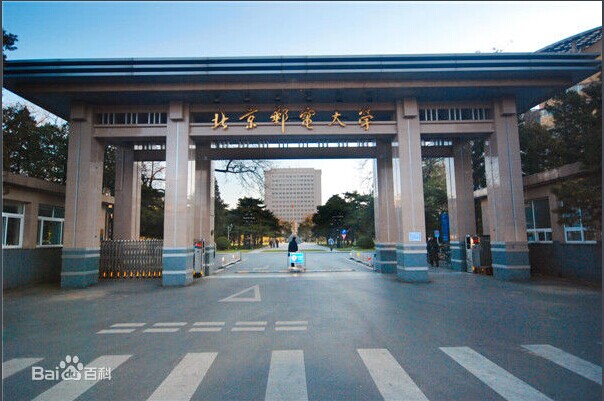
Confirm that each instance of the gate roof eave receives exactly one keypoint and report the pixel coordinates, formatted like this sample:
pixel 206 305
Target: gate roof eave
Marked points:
pixel 47 82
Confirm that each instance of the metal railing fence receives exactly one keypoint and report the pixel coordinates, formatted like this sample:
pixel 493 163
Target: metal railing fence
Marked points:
pixel 131 259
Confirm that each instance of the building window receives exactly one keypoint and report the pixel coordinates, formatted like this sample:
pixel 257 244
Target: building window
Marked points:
pixel 50 225
pixel 576 232
pixel 538 222
pixel 152 118
pixel 12 225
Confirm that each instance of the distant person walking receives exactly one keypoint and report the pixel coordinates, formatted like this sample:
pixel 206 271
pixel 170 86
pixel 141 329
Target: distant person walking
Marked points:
pixel 432 248
pixel 292 247
pixel 330 242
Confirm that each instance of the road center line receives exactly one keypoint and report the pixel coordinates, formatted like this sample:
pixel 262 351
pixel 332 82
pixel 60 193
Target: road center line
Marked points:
pixel 205 329
pixel 248 329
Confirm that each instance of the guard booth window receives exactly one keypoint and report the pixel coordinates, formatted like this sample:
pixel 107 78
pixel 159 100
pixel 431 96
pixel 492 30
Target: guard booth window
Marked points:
pixel 12 225
pixel 538 221
pixel 50 225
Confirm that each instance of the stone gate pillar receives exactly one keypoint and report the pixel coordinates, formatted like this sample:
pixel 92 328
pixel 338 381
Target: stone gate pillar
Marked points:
pixel 460 200
pixel 204 201
pixel 178 213
pixel 385 215
pixel 127 208
pixel 507 221
pixel 412 264
pixel 81 239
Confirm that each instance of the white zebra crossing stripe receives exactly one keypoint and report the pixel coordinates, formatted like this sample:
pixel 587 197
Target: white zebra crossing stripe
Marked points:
pixel 118 325
pixel 206 329
pixel 184 379
pixel 500 380
pixel 16 365
pixel 390 378
pixel 69 390
pixel 115 331
pixel 574 364
pixel 286 377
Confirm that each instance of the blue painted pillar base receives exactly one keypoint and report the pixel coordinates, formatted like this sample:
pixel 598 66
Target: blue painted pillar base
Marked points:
pixel 80 267
pixel 412 263
pixel 458 256
pixel 385 258
pixel 510 261
pixel 178 267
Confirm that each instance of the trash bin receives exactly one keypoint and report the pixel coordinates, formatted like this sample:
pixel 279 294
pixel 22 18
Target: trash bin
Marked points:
pixel 198 258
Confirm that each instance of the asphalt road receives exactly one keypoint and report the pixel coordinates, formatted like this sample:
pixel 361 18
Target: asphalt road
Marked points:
pixel 344 334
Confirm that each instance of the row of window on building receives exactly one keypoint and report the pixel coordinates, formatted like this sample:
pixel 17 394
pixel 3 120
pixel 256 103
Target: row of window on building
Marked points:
pixel 539 225
pixel 430 114
pixel 50 225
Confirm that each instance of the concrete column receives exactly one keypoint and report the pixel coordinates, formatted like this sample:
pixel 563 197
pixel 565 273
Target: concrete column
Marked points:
pixel 81 244
pixel 507 221
pixel 385 215
pixel 30 225
pixel 178 216
pixel 460 200
pixel 127 208
pixel 204 202
pixel 412 264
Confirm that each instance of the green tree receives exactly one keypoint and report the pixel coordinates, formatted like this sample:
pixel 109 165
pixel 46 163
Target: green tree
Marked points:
pixel 8 43
pixel 578 127
pixel 38 151
pixel 152 211
pixel 435 192
pixel 328 219
pixel 220 213
pixel 539 148
pixel 252 220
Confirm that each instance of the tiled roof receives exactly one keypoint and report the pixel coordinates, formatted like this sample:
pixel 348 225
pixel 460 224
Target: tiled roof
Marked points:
pixel 575 43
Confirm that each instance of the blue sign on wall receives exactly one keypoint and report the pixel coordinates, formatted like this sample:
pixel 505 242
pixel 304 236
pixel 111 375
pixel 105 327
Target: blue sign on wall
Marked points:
pixel 444 226
pixel 344 232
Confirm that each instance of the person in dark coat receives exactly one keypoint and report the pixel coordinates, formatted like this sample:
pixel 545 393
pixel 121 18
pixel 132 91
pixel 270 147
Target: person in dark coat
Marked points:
pixel 292 247
pixel 432 248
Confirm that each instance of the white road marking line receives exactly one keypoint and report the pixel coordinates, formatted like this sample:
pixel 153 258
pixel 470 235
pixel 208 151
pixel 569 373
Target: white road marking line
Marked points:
pixel 500 380
pixel 205 329
pixel 115 331
pixel 390 378
pixel 251 323
pixel 291 328
pixel 128 325
pixel 574 364
pixel 236 298
pixel 170 324
pixel 248 329
pixel 69 390
pixel 163 330
pixel 291 322
pixel 208 324
pixel 184 379
pixel 13 366
pixel 286 377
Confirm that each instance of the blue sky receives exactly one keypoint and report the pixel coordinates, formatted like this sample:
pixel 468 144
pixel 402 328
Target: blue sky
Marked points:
pixel 49 30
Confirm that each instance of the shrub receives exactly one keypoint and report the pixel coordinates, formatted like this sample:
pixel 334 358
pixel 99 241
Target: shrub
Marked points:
pixel 365 242
pixel 222 243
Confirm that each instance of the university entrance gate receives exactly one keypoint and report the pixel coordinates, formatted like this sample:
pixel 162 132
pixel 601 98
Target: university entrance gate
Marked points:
pixel 394 109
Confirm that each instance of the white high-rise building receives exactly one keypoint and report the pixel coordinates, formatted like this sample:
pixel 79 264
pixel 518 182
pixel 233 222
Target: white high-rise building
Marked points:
pixel 292 193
